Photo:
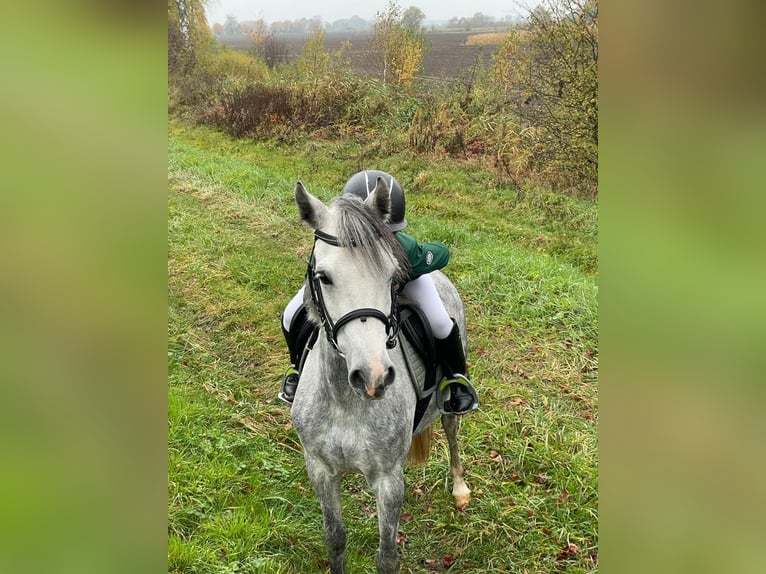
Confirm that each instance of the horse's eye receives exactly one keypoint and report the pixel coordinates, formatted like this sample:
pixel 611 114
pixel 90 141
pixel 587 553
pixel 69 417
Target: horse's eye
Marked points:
pixel 324 279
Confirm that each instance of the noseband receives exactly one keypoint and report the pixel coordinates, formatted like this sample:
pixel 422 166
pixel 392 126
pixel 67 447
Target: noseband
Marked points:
pixel 331 327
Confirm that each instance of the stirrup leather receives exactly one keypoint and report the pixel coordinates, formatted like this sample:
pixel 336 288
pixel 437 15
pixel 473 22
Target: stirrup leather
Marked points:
pixel 443 393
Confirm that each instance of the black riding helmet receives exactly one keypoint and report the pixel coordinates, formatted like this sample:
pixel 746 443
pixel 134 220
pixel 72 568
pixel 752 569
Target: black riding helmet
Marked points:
pixel 362 184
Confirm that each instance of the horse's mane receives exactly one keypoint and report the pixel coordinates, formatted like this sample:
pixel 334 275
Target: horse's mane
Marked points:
pixel 361 228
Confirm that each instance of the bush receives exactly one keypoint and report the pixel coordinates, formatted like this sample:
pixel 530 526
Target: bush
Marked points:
pixel 255 108
pixel 438 125
pixel 215 73
pixel 278 108
pixel 231 65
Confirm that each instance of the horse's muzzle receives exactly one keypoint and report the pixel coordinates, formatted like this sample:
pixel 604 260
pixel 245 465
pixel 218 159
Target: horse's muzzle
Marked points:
pixel 371 382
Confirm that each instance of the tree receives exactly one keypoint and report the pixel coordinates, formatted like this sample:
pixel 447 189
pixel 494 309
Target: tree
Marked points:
pixel 188 34
pixel 257 31
pixel 268 45
pixel 231 26
pixel 397 50
pixel 412 19
pixel 550 74
pixel 314 62
pixel 479 20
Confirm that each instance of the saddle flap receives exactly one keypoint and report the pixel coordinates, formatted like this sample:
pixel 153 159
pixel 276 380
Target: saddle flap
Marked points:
pixel 419 351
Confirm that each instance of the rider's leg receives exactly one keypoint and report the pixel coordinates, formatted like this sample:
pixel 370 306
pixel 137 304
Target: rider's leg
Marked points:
pixel 290 332
pixel 449 346
pixel 292 308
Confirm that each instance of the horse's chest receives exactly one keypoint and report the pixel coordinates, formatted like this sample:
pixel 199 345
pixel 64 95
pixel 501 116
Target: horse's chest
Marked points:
pixel 338 439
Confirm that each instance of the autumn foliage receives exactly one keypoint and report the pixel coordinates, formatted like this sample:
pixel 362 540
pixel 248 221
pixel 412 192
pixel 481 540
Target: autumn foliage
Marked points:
pixel 397 48
pixel 531 114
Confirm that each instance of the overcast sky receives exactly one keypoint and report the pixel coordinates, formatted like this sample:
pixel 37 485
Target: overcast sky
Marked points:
pixel 331 10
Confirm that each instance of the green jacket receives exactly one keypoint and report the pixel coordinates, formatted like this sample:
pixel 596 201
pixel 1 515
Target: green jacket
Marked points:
pixel 424 257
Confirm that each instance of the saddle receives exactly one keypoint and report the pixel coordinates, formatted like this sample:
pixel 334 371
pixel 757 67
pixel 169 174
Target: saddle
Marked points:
pixel 418 348
pixel 419 351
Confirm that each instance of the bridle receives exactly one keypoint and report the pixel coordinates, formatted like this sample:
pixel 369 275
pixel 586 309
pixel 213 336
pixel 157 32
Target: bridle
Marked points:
pixel 331 328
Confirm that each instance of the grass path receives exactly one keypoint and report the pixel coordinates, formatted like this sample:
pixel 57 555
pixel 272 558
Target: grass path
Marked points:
pixel 239 498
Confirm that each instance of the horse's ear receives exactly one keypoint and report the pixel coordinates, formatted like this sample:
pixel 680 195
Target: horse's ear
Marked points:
pixel 380 199
pixel 312 211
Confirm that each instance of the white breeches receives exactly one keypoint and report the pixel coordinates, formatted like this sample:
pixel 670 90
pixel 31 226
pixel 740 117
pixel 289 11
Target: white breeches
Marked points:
pixel 422 292
pixel 292 308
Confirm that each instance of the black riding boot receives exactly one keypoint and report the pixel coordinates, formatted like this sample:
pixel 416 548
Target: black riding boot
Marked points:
pixel 291 376
pixel 296 339
pixel 450 354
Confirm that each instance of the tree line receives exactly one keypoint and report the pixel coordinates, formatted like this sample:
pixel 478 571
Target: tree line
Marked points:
pixel 304 26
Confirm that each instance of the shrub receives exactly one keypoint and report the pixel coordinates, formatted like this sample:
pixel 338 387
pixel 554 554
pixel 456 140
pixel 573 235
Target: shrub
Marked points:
pixel 438 125
pixel 237 66
pixel 278 108
pixel 216 72
pixel 255 108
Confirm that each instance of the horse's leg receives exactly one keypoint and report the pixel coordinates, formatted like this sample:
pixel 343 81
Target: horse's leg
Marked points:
pixel 389 493
pixel 327 487
pixel 460 490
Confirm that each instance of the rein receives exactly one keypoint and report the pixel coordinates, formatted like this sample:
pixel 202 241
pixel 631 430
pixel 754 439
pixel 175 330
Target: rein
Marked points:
pixel 331 328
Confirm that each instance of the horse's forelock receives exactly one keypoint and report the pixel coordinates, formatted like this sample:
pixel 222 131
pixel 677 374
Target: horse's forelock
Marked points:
pixel 360 227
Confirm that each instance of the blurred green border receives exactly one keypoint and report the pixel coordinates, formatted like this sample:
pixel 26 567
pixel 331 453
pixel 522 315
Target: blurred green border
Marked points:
pixel 83 291
pixel 681 264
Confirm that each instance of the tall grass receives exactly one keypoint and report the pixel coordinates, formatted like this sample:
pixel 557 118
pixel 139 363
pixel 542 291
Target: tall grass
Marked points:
pixel 524 261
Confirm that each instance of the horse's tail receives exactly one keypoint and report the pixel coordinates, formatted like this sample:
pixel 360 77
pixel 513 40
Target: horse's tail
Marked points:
pixel 420 448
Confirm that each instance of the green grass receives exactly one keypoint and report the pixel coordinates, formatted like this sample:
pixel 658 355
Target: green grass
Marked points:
pixel 525 263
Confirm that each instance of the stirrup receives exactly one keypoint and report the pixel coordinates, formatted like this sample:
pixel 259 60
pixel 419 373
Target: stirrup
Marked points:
pixel 443 394
pixel 291 370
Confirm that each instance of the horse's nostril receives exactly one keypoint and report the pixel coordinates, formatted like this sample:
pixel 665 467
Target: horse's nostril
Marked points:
pixel 390 376
pixel 372 382
pixel 358 379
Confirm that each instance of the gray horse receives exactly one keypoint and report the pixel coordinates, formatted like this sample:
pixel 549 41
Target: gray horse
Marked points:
pixel 355 405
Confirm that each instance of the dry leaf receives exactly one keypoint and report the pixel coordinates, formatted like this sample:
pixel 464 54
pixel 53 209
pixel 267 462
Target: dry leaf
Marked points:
pixel 568 551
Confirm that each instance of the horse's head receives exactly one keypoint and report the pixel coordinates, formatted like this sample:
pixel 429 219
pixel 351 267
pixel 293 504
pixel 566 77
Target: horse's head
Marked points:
pixel 355 263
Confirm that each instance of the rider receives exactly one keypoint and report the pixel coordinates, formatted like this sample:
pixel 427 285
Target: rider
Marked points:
pixel 424 258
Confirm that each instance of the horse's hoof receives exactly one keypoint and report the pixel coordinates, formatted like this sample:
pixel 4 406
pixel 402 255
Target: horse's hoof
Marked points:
pixel 461 502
